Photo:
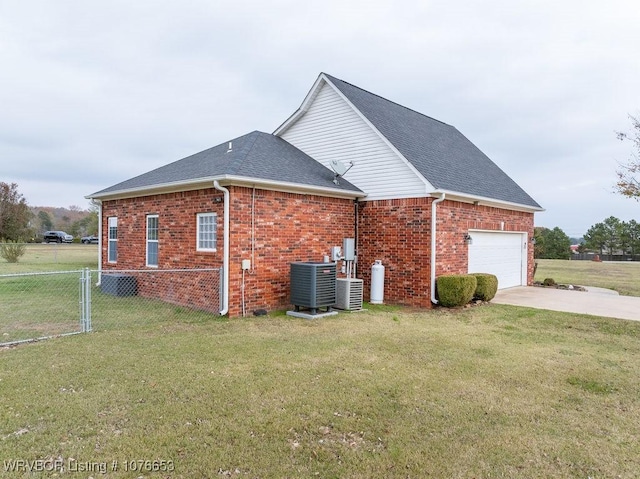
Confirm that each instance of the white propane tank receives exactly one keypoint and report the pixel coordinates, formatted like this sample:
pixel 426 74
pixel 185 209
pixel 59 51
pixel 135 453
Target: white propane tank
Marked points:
pixel 377 282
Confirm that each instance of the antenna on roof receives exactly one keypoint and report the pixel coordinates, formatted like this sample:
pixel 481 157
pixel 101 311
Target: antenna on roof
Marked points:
pixel 230 149
pixel 339 169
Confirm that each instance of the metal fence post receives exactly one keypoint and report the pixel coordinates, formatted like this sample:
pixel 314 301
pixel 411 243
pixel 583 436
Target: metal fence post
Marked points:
pixel 85 300
pixel 82 298
pixel 87 288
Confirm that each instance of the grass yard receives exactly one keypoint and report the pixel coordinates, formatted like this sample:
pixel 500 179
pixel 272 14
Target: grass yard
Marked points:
pixel 36 306
pixel 621 276
pixel 53 257
pixel 489 391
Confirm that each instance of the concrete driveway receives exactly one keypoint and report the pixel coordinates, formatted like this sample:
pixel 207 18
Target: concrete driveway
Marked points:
pixel 595 301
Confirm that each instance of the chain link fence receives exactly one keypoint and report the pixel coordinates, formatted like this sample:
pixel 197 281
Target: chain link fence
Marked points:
pixel 35 306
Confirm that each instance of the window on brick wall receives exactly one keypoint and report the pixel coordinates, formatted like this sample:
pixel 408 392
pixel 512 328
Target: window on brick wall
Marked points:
pixel 206 235
pixel 152 240
pixel 112 239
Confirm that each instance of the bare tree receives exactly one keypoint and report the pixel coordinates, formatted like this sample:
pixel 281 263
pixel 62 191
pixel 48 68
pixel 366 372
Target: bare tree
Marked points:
pixel 627 184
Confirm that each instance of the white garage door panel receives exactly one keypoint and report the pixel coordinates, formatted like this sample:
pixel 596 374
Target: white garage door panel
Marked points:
pixel 501 254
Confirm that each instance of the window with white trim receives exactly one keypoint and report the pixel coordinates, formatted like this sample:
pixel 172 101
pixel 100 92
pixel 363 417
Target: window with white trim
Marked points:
pixel 152 240
pixel 112 239
pixel 206 234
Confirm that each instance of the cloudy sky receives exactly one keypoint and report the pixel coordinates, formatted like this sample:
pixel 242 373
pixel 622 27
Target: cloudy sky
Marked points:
pixel 92 93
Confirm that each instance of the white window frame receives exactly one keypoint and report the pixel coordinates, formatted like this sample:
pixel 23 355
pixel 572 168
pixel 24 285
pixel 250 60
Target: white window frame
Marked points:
pixel 112 227
pixel 200 235
pixel 151 241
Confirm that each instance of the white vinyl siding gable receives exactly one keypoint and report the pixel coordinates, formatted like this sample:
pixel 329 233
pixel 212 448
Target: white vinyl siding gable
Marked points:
pixel 332 130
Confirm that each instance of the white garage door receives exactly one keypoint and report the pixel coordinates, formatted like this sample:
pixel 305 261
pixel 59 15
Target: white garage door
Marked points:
pixel 499 253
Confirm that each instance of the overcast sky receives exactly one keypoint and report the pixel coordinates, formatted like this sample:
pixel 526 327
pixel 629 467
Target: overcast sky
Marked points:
pixel 93 93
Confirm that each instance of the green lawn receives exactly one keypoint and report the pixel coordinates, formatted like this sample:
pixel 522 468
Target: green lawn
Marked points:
pixel 488 391
pixel 620 276
pixel 53 257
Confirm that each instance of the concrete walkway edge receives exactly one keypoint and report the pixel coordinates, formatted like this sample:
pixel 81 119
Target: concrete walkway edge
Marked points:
pixel 595 301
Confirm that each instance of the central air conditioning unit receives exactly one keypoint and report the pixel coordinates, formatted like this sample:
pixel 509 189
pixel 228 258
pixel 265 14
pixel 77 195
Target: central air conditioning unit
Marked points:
pixel 349 294
pixel 313 286
pixel 118 284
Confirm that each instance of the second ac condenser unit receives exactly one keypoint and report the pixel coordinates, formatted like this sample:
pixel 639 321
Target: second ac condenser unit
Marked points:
pixel 349 293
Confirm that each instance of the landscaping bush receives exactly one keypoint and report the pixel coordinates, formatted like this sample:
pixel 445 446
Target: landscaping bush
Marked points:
pixel 12 251
pixel 549 282
pixel 455 289
pixel 487 286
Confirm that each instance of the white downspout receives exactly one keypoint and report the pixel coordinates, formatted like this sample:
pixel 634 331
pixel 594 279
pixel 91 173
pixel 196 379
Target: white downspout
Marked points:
pixel 99 242
pixel 433 248
pixel 225 242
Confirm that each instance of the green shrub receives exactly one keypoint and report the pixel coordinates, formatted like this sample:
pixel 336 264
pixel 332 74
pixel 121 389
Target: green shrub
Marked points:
pixel 12 251
pixel 487 286
pixel 549 282
pixel 455 289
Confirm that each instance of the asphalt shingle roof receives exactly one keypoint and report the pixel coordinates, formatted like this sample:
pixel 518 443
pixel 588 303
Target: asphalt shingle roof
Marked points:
pixel 443 155
pixel 254 155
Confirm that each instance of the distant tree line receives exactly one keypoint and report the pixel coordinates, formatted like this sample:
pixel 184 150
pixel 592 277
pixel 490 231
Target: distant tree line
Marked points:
pixel 86 222
pixel 609 237
pixel 19 222
pixel 613 236
pixel 551 243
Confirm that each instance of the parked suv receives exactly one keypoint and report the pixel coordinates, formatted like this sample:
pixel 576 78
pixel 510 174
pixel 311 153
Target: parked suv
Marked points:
pixel 57 237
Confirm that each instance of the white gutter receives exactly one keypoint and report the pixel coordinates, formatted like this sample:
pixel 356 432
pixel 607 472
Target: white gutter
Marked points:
pixel 249 182
pixel 433 248
pixel 225 260
pixel 485 200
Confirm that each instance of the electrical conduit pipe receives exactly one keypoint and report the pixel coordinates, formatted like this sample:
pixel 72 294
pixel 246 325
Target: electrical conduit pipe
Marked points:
pixel 433 248
pixel 225 255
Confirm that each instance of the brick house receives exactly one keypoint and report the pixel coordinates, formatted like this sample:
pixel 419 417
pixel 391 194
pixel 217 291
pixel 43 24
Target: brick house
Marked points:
pixel 419 196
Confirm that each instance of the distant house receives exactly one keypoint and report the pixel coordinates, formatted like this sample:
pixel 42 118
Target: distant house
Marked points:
pixel 420 197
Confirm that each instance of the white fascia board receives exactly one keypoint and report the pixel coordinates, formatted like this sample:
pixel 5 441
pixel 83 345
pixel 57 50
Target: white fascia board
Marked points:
pixel 482 200
pixel 288 187
pixel 227 180
pixel 158 189
pixel 304 107
pixel 428 186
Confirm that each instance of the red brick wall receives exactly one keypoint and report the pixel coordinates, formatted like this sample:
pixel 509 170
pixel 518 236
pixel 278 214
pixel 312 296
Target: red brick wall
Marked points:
pixel 176 246
pixel 177 229
pixel 287 227
pixel 398 232
pixel 291 227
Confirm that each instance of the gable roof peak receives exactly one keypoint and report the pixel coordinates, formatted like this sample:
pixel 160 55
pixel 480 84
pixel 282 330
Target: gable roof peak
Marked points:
pixel 437 151
pixel 333 80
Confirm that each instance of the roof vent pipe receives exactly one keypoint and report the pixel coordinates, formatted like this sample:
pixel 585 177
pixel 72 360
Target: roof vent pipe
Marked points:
pixel 225 253
pixel 433 248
